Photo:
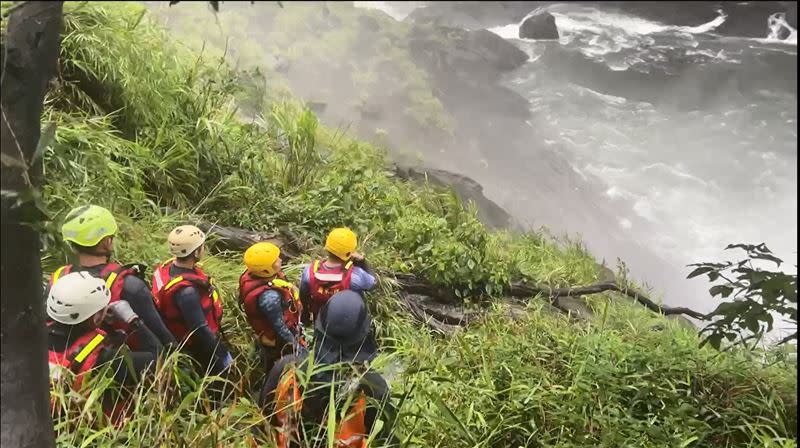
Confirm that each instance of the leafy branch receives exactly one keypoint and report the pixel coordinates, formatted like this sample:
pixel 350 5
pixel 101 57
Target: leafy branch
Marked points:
pixel 757 295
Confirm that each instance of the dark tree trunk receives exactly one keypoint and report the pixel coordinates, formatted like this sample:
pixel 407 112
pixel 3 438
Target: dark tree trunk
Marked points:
pixel 29 56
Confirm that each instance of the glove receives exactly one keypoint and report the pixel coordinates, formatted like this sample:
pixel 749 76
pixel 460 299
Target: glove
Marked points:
pixel 121 311
pixel 227 361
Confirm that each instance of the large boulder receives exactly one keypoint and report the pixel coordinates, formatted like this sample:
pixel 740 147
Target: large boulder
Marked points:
pixel 478 54
pixel 539 25
pixel 495 50
pixel 489 213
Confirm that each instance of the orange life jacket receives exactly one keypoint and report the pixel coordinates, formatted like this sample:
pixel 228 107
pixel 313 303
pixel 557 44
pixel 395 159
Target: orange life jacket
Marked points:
pixel 80 357
pixel 114 275
pixel 324 282
pixel 351 432
pixel 164 289
pixel 251 287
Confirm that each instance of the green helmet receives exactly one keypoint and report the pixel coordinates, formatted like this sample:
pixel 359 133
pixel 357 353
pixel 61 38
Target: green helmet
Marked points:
pixel 87 225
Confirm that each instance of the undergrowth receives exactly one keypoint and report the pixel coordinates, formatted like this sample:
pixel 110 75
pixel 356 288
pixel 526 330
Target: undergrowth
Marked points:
pixel 148 128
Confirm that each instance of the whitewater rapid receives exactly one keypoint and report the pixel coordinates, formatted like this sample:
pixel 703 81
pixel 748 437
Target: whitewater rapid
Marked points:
pixel 677 142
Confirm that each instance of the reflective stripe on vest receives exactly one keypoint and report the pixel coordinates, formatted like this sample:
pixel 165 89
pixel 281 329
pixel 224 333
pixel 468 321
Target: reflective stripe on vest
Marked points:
pixel 58 272
pixel 158 282
pixel 173 282
pixel 96 340
pixel 330 277
pixel 178 279
pixel 109 281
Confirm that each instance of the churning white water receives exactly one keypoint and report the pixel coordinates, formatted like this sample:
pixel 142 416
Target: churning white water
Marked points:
pixel 691 138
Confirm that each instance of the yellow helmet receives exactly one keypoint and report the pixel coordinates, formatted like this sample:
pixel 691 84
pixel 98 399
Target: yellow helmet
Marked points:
pixel 183 240
pixel 260 259
pixel 341 242
pixel 87 225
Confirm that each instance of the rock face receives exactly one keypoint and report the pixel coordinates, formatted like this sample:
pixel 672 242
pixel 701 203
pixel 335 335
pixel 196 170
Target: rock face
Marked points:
pixel 464 68
pixel 541 25
pixel 480 54
pixel 489 213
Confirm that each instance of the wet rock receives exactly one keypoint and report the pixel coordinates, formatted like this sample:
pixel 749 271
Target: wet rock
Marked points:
pixel 446 313
pixel 604 274
pixel 480 55
pixel 489 213
pixel 575 306
pixel 540 25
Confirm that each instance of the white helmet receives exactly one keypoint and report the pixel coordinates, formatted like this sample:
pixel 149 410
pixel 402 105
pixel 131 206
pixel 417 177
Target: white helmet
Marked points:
pixel 183 240
pixel 75 297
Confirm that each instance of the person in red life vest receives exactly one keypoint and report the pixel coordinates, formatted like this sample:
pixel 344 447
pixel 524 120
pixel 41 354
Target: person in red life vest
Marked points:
pixel 271 304
pixel 344 346
pixel 90 230
pixel 343 269
pixel 189 303
pixel 77 305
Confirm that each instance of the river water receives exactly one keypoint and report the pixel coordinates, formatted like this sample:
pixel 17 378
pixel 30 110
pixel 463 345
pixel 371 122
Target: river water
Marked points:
pixel 690 139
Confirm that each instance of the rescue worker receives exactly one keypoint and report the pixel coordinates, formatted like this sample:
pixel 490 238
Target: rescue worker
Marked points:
pixel 77 305
pixel 343 347
pixel 90 230
pixel 188 301
pixel 343 269
pixel 270 303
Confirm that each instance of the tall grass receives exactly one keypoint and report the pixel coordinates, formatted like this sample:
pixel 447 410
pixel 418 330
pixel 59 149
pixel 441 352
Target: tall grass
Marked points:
pixel 298 135
pixel 144 124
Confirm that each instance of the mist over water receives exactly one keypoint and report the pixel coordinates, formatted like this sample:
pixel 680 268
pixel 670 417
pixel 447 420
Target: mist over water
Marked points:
pixel 710 158
pixel 655 143
pixel 689 137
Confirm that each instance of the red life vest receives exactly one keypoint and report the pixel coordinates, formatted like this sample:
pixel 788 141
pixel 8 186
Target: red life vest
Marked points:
pixel 80 357
pixel 165 287
pixel 351 432
pixel 251 287
pixel 114 275
pixel 324 282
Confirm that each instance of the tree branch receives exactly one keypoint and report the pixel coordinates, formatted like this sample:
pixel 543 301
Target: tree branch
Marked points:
pixel 240 239
pixel 523 290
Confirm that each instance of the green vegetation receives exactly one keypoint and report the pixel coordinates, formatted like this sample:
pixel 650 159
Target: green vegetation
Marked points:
pixel 358 59
pixel 757 294
pixel 144 123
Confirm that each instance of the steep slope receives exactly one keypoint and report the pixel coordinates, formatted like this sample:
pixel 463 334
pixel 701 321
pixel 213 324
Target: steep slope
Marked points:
pixel 143 123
